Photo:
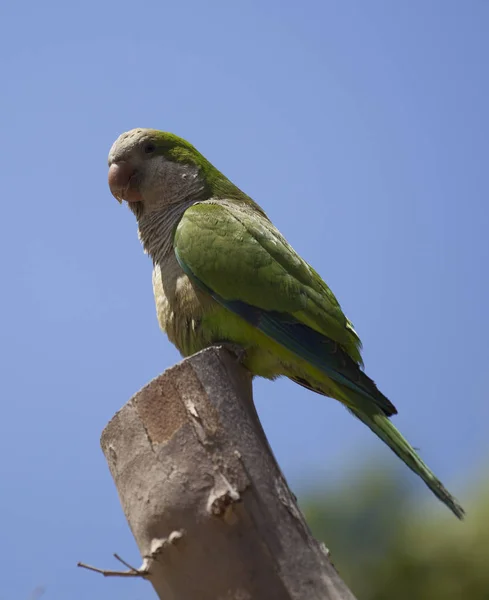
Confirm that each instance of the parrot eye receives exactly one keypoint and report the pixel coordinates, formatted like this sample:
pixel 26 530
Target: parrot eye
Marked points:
pixel 149 148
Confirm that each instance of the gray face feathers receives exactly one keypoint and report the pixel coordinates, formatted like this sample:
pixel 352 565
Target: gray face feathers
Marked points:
pixel 150 169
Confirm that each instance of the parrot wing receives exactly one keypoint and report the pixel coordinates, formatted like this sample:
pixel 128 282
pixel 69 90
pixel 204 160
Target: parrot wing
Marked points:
pixel 237 256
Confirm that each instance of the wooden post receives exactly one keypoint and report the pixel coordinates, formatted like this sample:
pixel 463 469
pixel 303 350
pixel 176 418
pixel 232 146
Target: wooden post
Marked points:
pixel 205 499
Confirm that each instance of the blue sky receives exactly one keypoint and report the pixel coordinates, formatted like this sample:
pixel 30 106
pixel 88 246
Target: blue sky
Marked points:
pixel 362 129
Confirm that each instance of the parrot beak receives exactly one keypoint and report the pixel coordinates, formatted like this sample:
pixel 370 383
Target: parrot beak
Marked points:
pixel 123 182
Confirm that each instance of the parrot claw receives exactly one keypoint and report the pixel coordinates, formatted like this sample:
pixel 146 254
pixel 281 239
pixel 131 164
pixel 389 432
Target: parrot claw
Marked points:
pixel 238 351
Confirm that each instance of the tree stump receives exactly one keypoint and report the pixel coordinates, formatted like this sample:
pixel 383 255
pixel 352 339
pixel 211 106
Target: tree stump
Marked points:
pixel 202 492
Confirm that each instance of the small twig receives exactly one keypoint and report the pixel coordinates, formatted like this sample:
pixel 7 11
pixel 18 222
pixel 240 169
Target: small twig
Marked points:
pixel 131 572
pixel 126 564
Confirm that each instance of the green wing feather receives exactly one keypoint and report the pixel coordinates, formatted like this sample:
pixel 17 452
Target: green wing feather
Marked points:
pixel 246 265
pixel 240 254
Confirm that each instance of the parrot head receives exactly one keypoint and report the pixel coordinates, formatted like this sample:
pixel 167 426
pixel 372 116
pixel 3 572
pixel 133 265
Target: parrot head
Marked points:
pixel 150 169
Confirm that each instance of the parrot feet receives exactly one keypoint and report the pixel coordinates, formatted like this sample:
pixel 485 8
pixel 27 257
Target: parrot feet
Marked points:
pixel 238 351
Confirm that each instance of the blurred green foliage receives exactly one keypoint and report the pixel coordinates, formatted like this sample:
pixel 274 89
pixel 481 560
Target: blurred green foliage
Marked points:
pixel 388 545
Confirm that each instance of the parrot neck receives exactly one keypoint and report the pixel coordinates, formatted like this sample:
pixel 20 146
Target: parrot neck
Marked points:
pixel 156 228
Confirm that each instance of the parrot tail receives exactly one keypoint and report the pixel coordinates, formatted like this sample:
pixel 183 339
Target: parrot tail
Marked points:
pixel 389 434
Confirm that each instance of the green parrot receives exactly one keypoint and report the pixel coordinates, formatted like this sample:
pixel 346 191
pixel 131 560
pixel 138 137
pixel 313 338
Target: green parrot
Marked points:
pixel 224 274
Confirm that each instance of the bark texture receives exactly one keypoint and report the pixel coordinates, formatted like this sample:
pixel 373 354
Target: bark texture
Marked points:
pixel 205 499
